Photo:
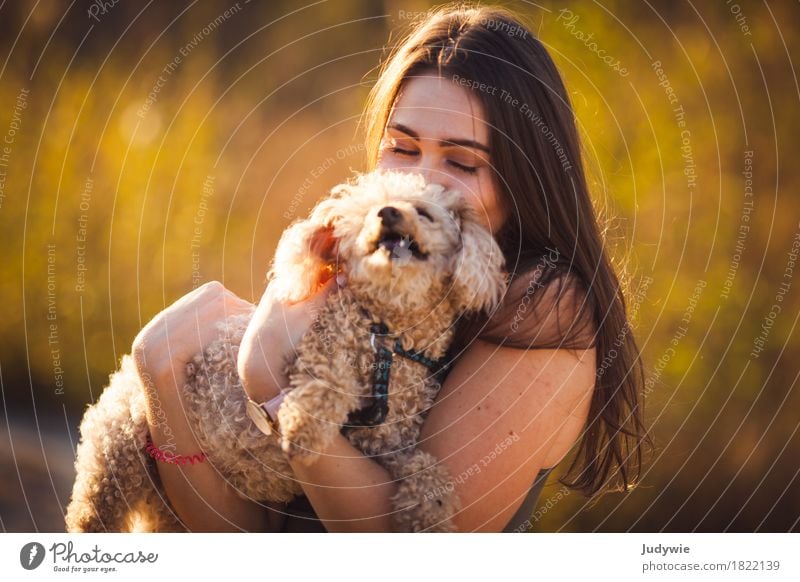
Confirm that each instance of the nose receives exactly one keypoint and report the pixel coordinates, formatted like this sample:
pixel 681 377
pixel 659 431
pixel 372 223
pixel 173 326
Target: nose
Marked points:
pixel 390 215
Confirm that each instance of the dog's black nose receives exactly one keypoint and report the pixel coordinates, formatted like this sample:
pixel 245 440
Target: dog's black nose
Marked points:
pixel 390 215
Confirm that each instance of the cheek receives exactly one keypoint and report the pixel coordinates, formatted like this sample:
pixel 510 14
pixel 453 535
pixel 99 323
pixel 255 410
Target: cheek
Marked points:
pixel 486 200
pixel 388 159
pixel 480 191
pixel 390 163
pixel 491 195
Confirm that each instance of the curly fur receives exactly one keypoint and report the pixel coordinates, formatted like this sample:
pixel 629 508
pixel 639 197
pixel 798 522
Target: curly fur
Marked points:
pixel 459 267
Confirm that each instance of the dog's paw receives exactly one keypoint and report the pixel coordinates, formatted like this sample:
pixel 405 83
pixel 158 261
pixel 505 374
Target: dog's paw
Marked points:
pixel 301 434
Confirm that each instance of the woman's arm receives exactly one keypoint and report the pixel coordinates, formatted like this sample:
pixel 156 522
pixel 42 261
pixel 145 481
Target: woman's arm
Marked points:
pixel 362 486
pixel 501 416
pixel 272 335
pixel 349 492
pixel 200 496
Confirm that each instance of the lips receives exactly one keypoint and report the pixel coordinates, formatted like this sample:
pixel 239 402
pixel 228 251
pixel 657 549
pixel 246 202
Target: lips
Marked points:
pixel 399 244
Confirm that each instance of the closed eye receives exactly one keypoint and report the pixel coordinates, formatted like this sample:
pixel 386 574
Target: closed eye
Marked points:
pixel 461 167
pixel 403 152
pixel 424 213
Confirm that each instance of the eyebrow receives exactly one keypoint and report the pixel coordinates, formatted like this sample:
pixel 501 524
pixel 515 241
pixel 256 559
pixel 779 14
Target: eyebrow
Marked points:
pixel 442 142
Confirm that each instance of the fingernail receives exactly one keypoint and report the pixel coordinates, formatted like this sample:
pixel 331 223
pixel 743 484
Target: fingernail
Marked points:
pixel 341 279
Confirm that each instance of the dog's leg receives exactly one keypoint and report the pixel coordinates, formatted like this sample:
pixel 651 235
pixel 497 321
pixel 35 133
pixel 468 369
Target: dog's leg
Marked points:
pixel 252 462
pixel 425 500
pixel 112 472
pixel 157 515
pixel 314 411
pixel 325 386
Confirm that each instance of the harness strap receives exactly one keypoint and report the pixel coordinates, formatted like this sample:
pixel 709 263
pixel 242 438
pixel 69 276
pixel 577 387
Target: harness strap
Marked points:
pixel 375 413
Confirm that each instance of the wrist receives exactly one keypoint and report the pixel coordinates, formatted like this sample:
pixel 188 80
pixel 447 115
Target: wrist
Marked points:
pixel 265 414
pixel 262 375
pixel 161 388
pixel 272 405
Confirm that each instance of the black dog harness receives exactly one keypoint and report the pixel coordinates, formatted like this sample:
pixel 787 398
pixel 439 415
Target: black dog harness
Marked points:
pixel 375 412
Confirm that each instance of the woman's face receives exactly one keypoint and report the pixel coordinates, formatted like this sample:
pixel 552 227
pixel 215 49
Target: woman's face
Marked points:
pixel 438 129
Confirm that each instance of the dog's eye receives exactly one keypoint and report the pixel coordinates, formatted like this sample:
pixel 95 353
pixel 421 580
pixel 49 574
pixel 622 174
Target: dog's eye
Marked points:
pixel 424 213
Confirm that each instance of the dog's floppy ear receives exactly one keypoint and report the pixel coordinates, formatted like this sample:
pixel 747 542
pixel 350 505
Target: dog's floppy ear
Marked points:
pixel 478 277
pixel 306 250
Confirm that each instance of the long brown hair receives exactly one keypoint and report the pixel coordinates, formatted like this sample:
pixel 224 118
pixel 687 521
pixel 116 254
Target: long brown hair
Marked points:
pixel 536 157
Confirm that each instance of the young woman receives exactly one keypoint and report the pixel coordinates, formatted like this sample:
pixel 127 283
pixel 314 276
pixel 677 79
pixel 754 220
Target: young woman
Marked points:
pixel 471 99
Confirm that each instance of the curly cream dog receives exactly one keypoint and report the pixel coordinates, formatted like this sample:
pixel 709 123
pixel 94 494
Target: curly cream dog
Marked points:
pixel 416 257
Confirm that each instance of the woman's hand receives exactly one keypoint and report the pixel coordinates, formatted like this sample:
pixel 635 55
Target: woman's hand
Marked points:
pixel 272 337
pixel 172 338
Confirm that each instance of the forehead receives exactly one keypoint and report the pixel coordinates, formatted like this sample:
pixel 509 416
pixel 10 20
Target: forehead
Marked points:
pixel 437 108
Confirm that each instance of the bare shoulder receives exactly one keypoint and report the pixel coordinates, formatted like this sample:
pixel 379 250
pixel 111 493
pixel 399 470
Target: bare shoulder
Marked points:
pixel 550 311
pixel 502 415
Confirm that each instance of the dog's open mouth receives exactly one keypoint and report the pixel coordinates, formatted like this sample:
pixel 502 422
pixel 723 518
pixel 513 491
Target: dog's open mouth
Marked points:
pixel 399 245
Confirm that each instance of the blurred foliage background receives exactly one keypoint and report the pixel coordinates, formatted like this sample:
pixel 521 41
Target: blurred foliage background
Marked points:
pixel 151 147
